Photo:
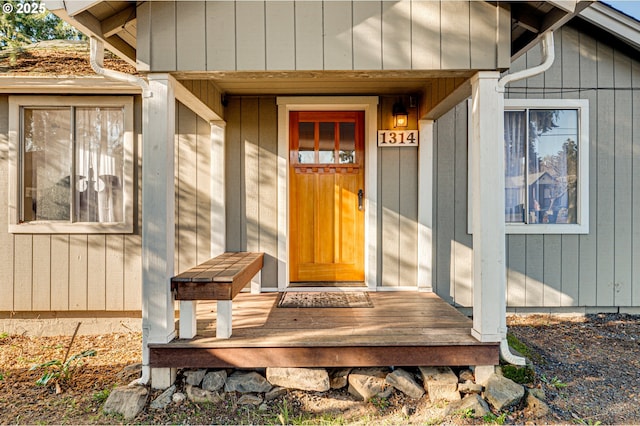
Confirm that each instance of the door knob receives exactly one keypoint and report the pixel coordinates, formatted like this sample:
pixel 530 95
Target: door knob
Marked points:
pixel 360 199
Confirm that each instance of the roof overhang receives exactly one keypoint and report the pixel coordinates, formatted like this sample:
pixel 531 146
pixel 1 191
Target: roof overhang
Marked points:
pixel 115 21
pixel 617 23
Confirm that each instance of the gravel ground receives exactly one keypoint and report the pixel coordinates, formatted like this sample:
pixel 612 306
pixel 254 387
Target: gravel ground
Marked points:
pixel 587 366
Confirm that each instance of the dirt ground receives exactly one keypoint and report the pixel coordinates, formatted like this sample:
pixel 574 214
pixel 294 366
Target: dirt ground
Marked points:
pixel 587 366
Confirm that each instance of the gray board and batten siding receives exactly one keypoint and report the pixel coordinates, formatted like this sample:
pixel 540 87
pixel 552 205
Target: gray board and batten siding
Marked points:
pixel 98 272
pixel 321 35
pixel 599 269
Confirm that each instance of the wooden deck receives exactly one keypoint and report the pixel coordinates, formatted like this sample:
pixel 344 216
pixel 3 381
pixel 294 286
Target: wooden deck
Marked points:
pixel 402 329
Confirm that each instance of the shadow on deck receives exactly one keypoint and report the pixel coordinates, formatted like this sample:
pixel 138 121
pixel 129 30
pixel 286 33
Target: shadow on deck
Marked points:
pixel 401 329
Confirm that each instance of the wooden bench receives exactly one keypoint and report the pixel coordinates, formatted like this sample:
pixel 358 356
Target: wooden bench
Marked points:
pixel 221 279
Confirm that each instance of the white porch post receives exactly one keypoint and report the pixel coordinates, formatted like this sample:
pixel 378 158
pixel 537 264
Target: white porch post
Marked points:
pixel 158 221
pixel 487 172
pixel 425 206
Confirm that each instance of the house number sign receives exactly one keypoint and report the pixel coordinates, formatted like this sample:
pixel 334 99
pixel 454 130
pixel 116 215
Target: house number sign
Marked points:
pixel 397 138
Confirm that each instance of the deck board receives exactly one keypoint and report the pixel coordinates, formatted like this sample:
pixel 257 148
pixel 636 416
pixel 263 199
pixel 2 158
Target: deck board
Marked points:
pixel 402 328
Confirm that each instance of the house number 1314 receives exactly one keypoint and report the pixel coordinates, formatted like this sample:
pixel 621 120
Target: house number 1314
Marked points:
pixel 397 138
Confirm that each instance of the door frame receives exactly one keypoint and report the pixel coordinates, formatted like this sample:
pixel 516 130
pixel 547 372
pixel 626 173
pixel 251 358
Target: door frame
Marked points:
pixel 368 104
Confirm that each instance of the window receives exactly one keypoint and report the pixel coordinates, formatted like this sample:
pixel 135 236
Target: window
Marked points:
pixel 546 160
pixel 71 164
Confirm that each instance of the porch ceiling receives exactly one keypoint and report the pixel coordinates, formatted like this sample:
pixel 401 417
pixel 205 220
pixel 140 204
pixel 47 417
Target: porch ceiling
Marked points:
pixel 323 82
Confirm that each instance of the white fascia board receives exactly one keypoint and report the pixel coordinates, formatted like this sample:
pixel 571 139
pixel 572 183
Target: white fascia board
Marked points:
pixel 66 84
pixel 620 25
pixel 566 5
pixel 73 7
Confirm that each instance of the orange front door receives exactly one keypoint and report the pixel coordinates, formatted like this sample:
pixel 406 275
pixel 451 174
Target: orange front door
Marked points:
pixel 326 196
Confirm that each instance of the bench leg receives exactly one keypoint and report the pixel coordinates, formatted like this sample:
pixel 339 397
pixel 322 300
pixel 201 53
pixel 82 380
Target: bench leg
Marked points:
pixel 188 326
pixel 223 319
pixel 256 283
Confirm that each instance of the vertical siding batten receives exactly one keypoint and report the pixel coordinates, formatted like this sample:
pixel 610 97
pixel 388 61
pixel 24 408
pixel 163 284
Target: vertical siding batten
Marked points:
pixel 367 35
pixel 589 243
pixel 163 36
pixel 606 174
pixel 309 39
pixel 268 195
pixel 570 53
pixel 279 32
pixel 191 36
pixel 234 176
pixel 250 35
pixel 445 205
pixel 221 35
pixel 23 270
pixel 203 193
pixel 623 180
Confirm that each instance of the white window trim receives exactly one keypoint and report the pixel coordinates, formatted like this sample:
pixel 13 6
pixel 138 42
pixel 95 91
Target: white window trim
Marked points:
pixel 582 225
pixel 51 227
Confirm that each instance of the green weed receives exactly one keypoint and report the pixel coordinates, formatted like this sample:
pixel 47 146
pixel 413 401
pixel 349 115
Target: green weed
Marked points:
pixel 101 396
pixel 4 335
pixel 518 374
pixel 493 419
pixel 554 382
pixel 380 403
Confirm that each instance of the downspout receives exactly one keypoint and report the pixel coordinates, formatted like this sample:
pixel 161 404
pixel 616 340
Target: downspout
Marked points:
pixel 548 56
pixel 96 59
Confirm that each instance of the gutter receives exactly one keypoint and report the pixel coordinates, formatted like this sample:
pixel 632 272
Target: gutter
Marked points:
pixel 548 56
pixel 97 64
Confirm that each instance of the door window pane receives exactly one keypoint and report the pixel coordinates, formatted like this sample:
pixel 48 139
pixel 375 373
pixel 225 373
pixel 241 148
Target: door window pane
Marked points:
pixel 46 164
pixel 347 151
pixel 327 143
pixel 306 143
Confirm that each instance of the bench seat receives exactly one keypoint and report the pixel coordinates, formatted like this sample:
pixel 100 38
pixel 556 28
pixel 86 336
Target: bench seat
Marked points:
pixel 221 279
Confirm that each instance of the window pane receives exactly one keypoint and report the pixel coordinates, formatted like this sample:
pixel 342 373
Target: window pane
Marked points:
pixel 347 143
pixel 99 165
pixel 514 158
pixel 553 165
pixel 47 164
pixel 306 143
pixel 327 143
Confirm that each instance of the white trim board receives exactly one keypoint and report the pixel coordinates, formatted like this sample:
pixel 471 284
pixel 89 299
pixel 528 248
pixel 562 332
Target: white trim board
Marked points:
pixel 368 104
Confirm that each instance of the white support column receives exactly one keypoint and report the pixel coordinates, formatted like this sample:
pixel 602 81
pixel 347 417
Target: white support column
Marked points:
pixel 487 171
pixel 425 206
pixel 224 319
pixel 158 221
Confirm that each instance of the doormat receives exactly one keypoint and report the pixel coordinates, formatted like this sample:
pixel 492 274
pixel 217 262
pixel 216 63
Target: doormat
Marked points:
pixel 317 299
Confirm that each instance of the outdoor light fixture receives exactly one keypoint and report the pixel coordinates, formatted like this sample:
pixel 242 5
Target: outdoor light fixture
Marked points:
pixel 400 115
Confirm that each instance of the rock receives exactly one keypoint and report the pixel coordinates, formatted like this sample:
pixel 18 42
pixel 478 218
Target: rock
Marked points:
pixel 473 402
pixel 165 398
pixel 483 372
pixel 466 376
pixel 263 407
pixel 440 383
pixel 339 377
pixel 405 383
pixel 407 411
pixel 246 382
pixel 126 400
pixel 365 383
pixel 309 379
pixel 214 380
pixel 501 392
pixel 536 407
pixel 129 373
pixel 179 397
pixel 470 387
pixel 250 399
pixel 538 393
pixel 197 395
pixel 194 377
pixel 274 393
